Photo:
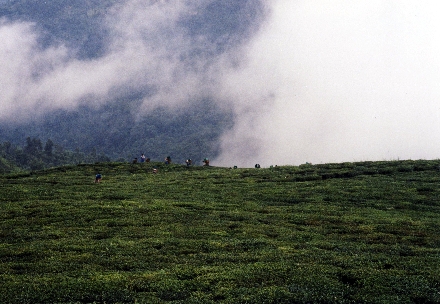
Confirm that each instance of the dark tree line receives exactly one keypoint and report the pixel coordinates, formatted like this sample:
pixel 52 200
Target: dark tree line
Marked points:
pixel 35 155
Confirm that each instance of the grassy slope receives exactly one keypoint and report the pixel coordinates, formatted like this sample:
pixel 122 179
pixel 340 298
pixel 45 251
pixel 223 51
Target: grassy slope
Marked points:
pixel 335 233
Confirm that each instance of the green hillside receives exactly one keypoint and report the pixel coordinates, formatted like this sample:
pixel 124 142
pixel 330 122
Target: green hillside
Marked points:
pixel 116 128
pixel 6 166
pixel 112 130
pixel 363 232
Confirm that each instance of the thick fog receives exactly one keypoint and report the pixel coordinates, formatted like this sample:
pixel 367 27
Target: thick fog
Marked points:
pixel 307 81
pixel 147 52
pixel 335 81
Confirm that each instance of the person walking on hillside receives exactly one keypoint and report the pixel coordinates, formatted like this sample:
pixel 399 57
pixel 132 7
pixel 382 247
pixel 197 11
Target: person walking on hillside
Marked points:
pixel 143 158
pixel 167 160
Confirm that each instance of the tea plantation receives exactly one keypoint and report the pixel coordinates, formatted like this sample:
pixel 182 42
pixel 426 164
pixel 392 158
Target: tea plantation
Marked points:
pixel 364 232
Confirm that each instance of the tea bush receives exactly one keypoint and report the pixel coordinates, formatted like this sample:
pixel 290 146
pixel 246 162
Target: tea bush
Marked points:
pixel 362 232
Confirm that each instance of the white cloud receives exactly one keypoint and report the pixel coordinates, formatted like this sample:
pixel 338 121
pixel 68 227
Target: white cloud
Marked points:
pixel 345 81
pixel 147 52
pixel 322 81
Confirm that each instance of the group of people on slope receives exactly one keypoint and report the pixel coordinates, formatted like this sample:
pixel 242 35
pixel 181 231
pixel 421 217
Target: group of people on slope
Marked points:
pixel 168 160
pixel 144 159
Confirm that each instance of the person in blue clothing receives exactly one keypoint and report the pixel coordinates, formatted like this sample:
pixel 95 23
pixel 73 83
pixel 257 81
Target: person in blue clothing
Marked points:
pixel 98 178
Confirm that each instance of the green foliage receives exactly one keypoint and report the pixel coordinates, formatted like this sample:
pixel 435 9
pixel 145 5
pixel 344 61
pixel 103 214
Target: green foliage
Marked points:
pixel 6 166
pixel 114 131
pixel 33 157
pixel 330 233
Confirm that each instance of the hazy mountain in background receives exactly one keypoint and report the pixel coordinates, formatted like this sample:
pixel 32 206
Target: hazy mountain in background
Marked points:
pixel 115 127
pixel 283 82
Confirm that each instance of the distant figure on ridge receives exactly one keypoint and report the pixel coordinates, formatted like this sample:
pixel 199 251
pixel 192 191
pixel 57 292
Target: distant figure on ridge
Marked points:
pixel 143 158
pixel 206 162
pixel 135 160
pixel 167 160
pixel 98 178
pixel 188 162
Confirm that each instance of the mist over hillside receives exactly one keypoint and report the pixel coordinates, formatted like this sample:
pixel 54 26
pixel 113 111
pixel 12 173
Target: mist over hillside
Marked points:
pixel 123 78
pixel 294 81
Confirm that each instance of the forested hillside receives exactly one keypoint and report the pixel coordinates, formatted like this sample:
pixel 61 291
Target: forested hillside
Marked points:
pixel 76 23
pixel 35 155
pixel 115 132
pixel 114 128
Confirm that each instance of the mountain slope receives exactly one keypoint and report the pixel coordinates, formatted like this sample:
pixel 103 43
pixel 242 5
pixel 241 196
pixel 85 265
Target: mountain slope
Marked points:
pixel 114 127
pixel 115 131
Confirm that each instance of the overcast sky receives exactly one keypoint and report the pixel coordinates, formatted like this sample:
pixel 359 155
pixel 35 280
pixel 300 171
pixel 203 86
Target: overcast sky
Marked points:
pixel 318 81
pixel 340 81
